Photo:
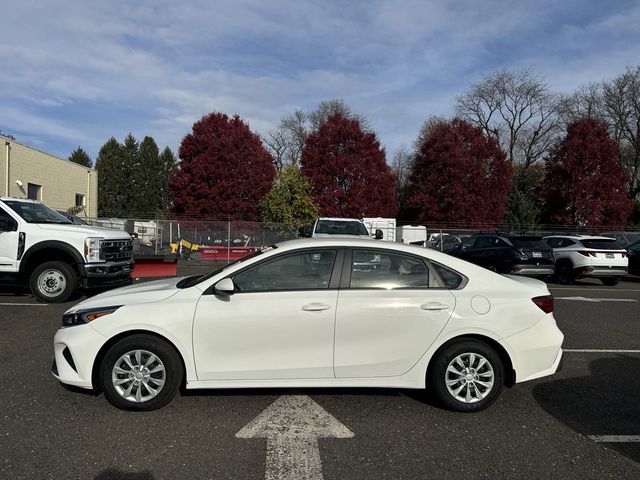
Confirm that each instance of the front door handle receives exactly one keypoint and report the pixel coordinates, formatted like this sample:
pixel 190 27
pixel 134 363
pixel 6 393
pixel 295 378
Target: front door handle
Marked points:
pixel 315 307
pixel 431 306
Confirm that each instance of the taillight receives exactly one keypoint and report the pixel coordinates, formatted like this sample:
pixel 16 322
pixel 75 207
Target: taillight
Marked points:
pixel 545 303
pixel 587 253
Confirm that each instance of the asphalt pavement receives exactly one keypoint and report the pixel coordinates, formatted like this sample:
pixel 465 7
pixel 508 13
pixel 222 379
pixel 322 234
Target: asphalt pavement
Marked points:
pixel 542 429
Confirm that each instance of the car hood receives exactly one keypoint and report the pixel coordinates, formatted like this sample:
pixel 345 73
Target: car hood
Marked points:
pixel 85 230
pixel 339 235
pixel 146 292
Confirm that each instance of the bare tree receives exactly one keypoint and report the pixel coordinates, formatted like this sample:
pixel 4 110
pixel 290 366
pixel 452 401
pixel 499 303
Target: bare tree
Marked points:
pixel 515 108
pixel 286 142
pixel 621 102
pixel 586 102
pixel 401 168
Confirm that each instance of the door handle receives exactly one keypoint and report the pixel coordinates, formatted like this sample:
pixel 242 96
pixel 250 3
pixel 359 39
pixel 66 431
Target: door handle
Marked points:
pixel 315 307
pixel 434 306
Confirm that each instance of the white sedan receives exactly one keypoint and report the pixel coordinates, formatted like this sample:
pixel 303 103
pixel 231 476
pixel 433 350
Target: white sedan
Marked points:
pixel 315 313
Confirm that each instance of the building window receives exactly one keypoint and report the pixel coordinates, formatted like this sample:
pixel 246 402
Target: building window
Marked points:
pixel 34 192
pixel 79 200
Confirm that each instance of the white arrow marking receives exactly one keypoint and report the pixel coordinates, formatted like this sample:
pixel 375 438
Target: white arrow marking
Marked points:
pixel 596 300
pixel 292 425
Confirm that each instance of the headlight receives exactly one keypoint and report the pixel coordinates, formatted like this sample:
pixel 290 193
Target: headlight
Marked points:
pixel 85 316
pixel 92 249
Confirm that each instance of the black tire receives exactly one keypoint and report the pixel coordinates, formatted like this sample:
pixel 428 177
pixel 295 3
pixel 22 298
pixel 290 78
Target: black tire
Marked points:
pixel 564 273
pixel 166 357
pixel 439 376
pixel 611 281
pixel 53 282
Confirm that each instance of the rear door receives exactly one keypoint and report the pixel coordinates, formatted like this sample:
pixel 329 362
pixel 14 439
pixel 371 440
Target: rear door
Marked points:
pixel 390 311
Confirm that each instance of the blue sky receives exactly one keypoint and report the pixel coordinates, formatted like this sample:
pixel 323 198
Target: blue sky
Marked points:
pixel 77 72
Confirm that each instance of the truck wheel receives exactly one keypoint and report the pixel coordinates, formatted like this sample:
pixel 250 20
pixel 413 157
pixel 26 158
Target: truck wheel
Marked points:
pixel 53 282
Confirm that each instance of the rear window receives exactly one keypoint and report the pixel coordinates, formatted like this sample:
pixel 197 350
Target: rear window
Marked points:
pixel 602 244
pixel 529 242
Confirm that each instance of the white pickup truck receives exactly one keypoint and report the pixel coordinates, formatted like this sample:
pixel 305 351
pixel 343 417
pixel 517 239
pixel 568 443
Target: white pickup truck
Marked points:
pixel 42 249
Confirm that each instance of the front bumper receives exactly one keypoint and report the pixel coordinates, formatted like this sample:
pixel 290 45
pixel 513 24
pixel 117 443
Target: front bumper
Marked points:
pixel 75 349
pixel 106 274
pixel 537 351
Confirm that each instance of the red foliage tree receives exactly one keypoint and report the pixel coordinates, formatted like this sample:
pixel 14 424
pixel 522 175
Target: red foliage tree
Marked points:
pixel 458 176
pixel 224 170
pixel 348 171
pixel 584 183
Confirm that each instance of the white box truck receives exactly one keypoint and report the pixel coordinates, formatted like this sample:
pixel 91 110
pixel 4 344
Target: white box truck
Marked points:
pixel 412 234
pixel 387 225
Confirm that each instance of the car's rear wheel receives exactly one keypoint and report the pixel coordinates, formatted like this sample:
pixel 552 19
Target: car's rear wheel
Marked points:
pixel 564 273
pixel 140 372
pixel 467 376
pixel 611 281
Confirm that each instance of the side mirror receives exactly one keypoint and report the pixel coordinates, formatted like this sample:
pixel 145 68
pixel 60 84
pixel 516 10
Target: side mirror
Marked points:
pixel 224 287
pixel 8 225
pixel 378 235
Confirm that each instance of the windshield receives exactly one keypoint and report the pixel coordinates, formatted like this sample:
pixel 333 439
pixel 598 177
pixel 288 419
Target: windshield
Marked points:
pixel 341 227
pixel 196 279
pixel 602 244
pixel 36 212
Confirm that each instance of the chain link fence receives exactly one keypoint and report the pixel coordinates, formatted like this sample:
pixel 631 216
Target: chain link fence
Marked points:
pixel 201 241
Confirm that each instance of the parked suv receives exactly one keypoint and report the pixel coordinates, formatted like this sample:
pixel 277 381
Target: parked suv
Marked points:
pixel 633 253
pixel 505 253
pixel 42 249
pixel 579 256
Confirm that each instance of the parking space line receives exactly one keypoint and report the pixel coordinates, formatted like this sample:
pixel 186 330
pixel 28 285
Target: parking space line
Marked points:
pixel 26 304
pixel 615 438
pixel 594 350
pixel 586 289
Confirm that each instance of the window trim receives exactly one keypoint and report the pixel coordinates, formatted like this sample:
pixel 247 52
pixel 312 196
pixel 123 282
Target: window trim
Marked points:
pixel 334 279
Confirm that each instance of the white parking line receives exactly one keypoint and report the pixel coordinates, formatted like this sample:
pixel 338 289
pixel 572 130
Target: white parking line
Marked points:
pixel 593 350
pixel 26 304
pixel 615 438
pixel 597 300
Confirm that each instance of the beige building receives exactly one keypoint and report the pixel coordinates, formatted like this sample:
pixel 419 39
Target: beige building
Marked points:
pixel 60 184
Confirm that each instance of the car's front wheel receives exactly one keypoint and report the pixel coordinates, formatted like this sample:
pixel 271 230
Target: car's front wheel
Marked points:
pixel 467 376
pixel 140 372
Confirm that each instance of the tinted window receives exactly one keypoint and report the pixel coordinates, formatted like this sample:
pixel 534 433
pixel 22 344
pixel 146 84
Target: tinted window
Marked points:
pixel 484 242
pixel 553 242
pixel 528 242
pixel 36 212
pixel 500 243
pixel 468 242
pixel 602 244
pixel 635 248
pixel 308 270
pixel 341 227
pixel 449 278
pixel 380 269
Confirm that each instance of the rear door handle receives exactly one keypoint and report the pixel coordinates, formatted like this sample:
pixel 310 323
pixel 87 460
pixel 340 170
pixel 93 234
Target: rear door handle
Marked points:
pixel 434 306
pixel 315 307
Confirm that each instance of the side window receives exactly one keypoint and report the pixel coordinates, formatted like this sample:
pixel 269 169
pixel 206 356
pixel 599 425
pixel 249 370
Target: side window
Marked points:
pixel 380 269
pixel 308 270
pixel 449 278
pixel 553 242
pixel 484 242
pixel 5 220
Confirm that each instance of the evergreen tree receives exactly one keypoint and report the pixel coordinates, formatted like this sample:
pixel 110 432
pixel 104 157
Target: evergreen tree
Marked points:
pixel 112 180
pixel 145 178
pixel 166 164
pixel 80 157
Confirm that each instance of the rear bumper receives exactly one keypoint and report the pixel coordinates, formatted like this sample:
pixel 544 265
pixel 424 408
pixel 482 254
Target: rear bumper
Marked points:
pixel 600 271
pixel 534 270
pixel 537 351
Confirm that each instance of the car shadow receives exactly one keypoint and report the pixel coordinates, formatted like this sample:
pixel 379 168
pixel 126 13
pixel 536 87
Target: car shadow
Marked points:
pixel 606 402
pixel 115 474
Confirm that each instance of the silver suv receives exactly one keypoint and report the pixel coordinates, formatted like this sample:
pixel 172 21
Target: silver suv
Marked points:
pixel 579 256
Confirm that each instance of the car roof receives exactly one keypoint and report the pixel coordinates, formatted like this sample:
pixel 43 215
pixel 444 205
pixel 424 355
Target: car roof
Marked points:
pixel 341 219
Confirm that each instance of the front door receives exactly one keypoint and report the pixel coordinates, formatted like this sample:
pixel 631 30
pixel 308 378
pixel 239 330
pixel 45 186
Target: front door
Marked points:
pixel 8 244
pixel 279 324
